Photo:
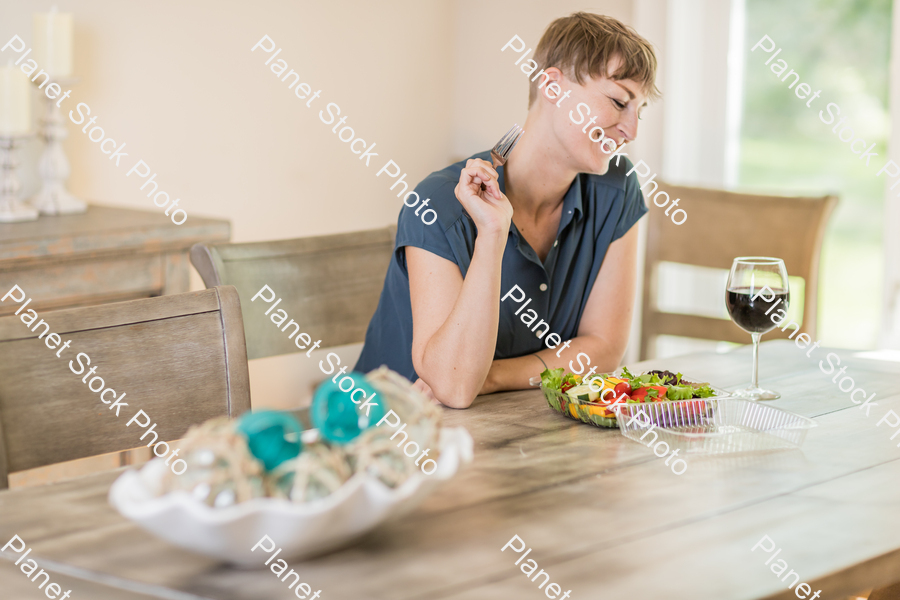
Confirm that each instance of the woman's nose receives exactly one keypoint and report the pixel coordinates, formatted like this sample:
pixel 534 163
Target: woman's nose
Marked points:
pixel 628 126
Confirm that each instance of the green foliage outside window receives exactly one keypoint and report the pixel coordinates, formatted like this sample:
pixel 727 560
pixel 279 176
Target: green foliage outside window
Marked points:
pixel 841 47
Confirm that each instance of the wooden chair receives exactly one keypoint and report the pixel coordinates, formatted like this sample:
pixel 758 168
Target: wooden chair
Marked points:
pixel 722 226
pixel 329 285
pixel 181 359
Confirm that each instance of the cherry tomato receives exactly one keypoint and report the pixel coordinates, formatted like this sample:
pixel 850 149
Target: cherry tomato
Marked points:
pixel 566 386
pixel 622 388
pixel 640 394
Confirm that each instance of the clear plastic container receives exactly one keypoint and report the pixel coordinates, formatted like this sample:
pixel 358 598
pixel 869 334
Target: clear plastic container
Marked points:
pixel 713 425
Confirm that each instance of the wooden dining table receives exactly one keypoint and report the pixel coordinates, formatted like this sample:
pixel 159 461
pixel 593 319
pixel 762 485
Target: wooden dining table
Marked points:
pixel 602 515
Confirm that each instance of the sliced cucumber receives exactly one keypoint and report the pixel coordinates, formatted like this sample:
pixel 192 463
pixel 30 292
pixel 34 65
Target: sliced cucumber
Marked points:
pixel 583 392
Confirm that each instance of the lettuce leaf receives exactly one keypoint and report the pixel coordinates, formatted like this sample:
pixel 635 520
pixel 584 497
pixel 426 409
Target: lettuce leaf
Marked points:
pixel 704 392
pixel 552 378
pixel 679 392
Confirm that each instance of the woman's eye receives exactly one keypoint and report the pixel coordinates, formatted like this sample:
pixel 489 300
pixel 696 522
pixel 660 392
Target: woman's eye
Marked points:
pixel 618 104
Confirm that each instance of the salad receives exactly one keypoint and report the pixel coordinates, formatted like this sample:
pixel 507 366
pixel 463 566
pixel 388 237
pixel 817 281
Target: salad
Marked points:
pixel 607 390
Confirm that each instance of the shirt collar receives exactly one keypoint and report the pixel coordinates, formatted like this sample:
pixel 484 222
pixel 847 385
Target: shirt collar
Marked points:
pixel 572 204
pixel 573 207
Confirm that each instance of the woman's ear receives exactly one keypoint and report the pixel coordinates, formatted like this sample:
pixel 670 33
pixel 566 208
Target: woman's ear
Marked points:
pixel 550 86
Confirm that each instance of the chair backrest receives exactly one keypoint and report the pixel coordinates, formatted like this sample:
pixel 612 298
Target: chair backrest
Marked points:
pixel 181 359
pixel 722 226
pixel 329 285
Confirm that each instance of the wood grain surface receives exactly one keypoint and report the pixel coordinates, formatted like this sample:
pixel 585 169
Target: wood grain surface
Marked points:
pixel 103 255
pixel 181 359
pixel 329 285
pixel 604 517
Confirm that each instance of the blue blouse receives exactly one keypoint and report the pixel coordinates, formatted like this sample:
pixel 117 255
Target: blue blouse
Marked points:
pixel 597 210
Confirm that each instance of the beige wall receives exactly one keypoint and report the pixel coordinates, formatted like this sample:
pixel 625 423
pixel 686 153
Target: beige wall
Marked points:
pixel 176 82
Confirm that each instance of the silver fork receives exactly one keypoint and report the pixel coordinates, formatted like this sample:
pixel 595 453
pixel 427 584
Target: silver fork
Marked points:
pixel 500 151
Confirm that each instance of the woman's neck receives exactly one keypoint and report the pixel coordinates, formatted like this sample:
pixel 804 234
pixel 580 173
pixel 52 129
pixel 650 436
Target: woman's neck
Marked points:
pixel 536 181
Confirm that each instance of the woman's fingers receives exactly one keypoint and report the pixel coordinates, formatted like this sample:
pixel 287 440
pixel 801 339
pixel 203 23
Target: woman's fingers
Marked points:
pixel 480 171
pixel 476 175
pixel 493 188
pixel 491 185
pixel 470 184
pixel 487 206
pixel 477 162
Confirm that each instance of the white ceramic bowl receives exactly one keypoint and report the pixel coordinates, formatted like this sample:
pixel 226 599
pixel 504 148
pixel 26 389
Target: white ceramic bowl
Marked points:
pixel 302 530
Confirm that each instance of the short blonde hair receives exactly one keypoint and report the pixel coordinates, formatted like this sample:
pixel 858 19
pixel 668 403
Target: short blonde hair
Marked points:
pixel 583 44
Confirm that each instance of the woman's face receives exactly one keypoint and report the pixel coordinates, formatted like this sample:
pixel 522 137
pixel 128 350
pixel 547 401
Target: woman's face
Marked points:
pixel 614 106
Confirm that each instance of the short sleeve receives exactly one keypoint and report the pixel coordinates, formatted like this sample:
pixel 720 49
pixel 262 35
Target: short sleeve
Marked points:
pixel 634 207
pixel 412 229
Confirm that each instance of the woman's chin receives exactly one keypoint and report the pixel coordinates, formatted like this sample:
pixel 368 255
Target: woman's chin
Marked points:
pixel 599 165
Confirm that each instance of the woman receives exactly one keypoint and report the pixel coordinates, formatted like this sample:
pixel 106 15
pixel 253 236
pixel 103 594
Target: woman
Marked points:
pixel 555 226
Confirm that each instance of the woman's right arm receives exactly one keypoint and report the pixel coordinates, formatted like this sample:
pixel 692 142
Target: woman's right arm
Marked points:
pixel 455 320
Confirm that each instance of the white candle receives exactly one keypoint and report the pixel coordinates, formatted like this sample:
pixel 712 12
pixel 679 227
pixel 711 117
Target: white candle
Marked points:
pixel 15 102
pixel 53 43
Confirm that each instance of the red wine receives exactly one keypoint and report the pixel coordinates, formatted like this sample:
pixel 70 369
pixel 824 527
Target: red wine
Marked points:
pixel 749 314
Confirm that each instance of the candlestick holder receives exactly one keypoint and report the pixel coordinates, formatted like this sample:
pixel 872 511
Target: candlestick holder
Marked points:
pixel 11 208
pixel 53 166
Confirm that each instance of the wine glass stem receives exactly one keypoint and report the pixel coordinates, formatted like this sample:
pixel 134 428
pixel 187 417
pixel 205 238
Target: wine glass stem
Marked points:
pixel 755 380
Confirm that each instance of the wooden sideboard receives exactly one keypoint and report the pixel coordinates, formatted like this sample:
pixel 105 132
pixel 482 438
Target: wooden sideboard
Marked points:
pixel 104 255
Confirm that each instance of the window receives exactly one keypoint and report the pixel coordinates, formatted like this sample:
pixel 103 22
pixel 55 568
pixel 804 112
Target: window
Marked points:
pixel 842 48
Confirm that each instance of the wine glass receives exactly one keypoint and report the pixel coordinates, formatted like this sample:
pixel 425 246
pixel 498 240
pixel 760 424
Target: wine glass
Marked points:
pixel 757 287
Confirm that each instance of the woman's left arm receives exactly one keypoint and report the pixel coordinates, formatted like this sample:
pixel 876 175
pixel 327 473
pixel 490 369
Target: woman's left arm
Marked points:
pixel 602 333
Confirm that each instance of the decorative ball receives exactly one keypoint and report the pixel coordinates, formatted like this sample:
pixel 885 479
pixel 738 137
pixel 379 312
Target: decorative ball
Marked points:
pixel 338 415
pixel 272 437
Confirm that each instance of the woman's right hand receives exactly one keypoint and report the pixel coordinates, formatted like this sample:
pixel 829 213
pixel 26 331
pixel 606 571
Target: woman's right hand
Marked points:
pixel 489 208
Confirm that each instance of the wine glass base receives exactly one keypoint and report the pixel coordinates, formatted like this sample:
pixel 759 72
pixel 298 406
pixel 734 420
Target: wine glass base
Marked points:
pixel 755 394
